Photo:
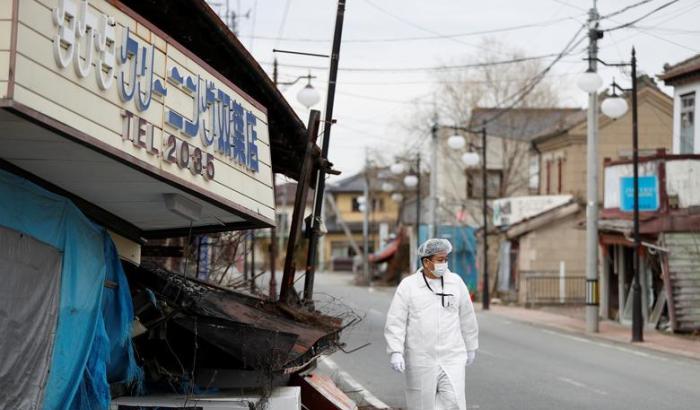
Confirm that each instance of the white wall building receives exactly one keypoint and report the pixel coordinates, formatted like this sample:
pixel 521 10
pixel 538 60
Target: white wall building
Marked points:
pixel 684 77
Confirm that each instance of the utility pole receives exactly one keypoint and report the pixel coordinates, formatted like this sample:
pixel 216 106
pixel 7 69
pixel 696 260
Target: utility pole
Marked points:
pixel 592 181
pixel 418 208
pixel 637 318
pixel 321 174
pixel 485 298
pixel 432 228
pixel 365 222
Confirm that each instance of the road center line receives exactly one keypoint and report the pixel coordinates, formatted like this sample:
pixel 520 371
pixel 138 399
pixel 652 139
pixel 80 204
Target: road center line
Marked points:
pixel 582 385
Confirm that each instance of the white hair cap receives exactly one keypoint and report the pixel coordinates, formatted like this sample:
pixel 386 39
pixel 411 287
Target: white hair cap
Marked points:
pixel 433 246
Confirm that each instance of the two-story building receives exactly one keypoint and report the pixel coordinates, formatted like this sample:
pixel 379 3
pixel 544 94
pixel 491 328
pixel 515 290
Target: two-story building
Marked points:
pixel 684 77
pixel 344 217
pixel 512 167
pixel 552 242
pixel 669 219
pixel 669 227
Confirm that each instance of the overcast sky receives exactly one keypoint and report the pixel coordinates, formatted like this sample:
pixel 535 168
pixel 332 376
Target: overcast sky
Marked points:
pixel 381 34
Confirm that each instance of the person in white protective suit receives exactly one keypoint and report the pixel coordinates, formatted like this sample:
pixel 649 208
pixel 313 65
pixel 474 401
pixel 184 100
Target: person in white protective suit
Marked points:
pixel 431 332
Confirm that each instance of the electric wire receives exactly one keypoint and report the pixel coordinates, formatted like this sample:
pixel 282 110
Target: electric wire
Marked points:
pixel 624 9
pixel 426 68
pixel 638 19
pixel 543 23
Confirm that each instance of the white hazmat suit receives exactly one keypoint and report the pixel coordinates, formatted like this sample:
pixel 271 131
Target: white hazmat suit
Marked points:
pixel 433 333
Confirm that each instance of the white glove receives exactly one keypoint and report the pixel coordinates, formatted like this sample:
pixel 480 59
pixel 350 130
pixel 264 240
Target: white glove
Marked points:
pixel 397 362
pixel 471 356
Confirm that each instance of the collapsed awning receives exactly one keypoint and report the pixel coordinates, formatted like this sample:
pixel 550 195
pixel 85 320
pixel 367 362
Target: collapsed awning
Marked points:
pixel 239 338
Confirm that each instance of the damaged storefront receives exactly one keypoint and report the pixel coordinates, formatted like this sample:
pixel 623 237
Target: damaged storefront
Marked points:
pixel 669 225
pixel 123 124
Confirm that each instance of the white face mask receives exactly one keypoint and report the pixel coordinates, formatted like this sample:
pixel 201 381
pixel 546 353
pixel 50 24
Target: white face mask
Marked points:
pixel 440 269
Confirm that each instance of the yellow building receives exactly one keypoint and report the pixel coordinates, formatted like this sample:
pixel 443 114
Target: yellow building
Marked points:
pixel 344 218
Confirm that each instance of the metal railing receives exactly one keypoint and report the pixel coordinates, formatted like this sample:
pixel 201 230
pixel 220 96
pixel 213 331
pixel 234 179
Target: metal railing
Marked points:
pixel 550 289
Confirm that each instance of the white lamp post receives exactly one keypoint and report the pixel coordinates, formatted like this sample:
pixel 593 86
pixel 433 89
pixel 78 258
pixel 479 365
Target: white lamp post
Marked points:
pixel 396 197
pixel 387 187
pixel 590 82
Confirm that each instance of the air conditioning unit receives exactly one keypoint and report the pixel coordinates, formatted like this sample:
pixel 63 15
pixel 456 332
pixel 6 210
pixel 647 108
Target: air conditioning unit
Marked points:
pixel 281 398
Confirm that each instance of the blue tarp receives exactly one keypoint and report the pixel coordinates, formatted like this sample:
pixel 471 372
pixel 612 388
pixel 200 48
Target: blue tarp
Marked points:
pixel 462 260
pixel 92 344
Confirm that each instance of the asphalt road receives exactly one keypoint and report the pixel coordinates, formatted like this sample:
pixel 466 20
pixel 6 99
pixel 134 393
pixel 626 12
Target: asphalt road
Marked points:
pixel 520 366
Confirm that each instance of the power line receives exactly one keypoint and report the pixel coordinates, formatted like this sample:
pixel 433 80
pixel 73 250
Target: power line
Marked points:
pixel 285 13
pixel 633 22
pixel 520 95
pixel 432 68
pixel 543 23
pixel 624 9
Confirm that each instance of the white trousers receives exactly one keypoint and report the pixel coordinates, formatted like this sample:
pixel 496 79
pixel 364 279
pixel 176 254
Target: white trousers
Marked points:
pixel 446 396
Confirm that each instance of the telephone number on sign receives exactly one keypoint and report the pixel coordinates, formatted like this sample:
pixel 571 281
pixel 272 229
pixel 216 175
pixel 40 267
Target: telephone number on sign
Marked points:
pixel 188 156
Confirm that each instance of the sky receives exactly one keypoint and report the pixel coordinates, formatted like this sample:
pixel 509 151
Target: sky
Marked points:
pixel 388 43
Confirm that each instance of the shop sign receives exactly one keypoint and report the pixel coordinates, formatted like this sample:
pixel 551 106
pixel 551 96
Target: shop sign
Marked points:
pixel 648 193
pixel 218 125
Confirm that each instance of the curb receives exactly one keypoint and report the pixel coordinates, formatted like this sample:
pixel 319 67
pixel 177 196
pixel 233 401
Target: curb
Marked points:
pixel 351 387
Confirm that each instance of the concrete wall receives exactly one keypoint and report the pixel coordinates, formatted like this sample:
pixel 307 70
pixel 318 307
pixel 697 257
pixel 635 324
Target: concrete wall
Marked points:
pixel 542 250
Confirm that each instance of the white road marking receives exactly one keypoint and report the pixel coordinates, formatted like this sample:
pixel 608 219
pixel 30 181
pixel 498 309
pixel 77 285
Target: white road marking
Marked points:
pixel 606 345
pixel 582 386
pixel 352 386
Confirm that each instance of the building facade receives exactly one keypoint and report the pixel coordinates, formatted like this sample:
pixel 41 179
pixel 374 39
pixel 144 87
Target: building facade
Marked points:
pixel 557 247
pixel 121 122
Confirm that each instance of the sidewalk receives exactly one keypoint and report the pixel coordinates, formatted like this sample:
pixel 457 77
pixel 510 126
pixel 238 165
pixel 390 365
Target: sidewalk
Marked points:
pixel 687 346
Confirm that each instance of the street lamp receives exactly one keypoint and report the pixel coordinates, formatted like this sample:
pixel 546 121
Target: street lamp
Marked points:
pixel 456 142
pixel 590 82
pixel 411 180
pixel 615 107
pixel 307 96
pixel 471 159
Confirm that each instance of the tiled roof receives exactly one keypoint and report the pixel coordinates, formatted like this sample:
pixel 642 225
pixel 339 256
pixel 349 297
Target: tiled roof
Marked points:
pixel 684 68
pixel 522 123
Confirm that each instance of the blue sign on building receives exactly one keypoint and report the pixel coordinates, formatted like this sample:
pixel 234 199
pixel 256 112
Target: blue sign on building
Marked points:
pixel 648 193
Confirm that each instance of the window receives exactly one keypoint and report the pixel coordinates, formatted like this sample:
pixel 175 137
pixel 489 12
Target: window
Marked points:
pixel 493 183
pixel 534 180
pixel 560 169
pixel 378 204
pixel 687 133
pixel 356 204
pixel 549 178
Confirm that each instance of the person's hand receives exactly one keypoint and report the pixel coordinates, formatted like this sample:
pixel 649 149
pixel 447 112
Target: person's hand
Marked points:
pixel 471 356
pixel 397 362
